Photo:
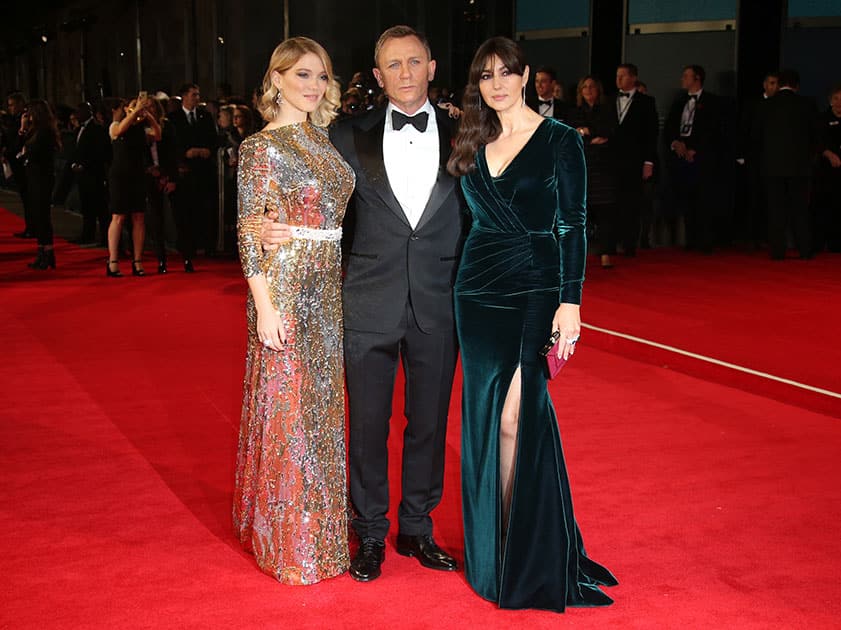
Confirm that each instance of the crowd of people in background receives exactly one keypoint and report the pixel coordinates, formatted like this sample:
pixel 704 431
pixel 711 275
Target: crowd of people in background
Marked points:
pixel 765 173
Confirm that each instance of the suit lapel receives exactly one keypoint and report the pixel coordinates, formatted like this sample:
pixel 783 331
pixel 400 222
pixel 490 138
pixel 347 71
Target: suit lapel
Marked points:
pixel 369 149
pixel 444 183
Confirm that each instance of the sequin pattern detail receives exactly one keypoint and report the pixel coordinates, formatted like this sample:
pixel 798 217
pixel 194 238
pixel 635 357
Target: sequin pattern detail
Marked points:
pixel 290 499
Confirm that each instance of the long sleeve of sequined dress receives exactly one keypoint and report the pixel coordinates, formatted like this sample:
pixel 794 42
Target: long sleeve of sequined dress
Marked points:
pixel 290 504
pixel 523 256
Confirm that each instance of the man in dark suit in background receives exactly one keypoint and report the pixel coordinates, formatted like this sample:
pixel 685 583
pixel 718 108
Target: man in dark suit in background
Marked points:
pixel 398 299
pixel 546 105
pixel 694 133
pixel 634 146
pixel 786 133
pixel 193 199
pixel 89 164
pixel 748 156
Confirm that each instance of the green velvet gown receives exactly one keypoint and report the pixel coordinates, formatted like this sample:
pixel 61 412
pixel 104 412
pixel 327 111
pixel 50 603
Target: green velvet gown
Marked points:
pixel 523 256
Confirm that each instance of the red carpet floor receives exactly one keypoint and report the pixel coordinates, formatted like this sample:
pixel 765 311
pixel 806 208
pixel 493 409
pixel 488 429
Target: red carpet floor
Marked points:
pixel 716 505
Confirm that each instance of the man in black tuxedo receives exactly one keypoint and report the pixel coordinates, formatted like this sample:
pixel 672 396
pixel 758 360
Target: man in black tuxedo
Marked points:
pixel 748 157
pixel 546 104
pixel 634 147
pixel 193 199
pixel 786 133
pixel 397 299
pixel 694 133
pixel 89 165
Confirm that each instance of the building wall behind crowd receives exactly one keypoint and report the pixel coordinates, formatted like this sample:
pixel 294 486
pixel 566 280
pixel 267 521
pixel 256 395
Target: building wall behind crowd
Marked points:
pixel 216 42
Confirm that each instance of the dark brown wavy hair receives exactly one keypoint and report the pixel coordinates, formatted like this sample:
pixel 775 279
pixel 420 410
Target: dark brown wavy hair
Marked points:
pixel 479 124
pixel 42 120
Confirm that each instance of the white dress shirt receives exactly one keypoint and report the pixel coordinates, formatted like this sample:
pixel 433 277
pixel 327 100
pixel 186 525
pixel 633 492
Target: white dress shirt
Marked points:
pixel 546 108
pixel 623 103
pixel 411 161
pixel 687 118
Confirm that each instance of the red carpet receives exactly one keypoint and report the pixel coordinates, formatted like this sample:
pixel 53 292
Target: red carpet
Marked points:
pixel 716 507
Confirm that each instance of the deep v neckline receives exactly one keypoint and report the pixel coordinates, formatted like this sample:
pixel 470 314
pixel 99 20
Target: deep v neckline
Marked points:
pixel 514 158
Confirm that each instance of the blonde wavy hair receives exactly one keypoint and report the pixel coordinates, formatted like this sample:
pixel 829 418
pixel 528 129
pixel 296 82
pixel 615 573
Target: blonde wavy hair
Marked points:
pixel 286 55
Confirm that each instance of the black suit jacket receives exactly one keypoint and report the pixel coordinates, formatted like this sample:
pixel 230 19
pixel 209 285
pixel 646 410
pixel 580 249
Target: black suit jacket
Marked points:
pixel 200 135
pixel 560 110
pixel 708 127
pixel 786 135
pixel 93 153
pixel 390 264
pixel 634 141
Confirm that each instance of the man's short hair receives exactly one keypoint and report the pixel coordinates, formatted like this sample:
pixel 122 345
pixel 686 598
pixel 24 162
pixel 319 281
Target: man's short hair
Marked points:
pixel 835 90
pixel 398 32
pixel 547 70
pixel 789 77
pixel 186 88
pixel 18 98
pixel 631 68
pixel 699 72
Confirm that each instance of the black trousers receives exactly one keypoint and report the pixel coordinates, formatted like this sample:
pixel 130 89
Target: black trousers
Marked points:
pixel 370 366
pixel 606 219
pixel 788 204
pixel 93 197
pixel 40 195
pixel 693 190
pixel 193 212
pixel 156 225
pixel 19 176
pixel 827 209
pixel 629 208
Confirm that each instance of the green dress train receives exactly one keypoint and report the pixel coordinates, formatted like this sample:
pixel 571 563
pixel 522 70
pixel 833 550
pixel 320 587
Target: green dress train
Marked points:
pixel 523 256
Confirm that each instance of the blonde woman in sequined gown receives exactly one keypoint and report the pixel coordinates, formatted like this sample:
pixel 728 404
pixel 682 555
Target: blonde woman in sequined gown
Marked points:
pixel 290 503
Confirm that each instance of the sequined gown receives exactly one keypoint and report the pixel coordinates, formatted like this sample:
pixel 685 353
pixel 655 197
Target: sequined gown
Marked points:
pixel 290 503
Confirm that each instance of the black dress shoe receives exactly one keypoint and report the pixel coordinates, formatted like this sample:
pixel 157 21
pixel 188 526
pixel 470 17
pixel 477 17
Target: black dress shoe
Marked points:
pixel 426 551
pixel 23 234
pixel 188 266
pixel 366 565
pixel 161 265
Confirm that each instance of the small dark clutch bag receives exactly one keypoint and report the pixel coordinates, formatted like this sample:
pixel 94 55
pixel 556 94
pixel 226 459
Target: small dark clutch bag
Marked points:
pixel 550 353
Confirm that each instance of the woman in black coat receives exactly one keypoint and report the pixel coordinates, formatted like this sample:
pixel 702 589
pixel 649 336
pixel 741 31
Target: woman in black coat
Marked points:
pixel 596 122
pixel 41 142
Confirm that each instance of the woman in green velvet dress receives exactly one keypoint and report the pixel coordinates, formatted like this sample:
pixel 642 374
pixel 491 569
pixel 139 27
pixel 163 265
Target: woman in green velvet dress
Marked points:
pixel 519 280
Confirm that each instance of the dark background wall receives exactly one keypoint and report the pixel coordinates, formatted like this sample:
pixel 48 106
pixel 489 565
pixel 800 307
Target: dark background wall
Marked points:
pixel 91 46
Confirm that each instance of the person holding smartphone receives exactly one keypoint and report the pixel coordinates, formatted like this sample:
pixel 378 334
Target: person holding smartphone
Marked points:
pixel 129 130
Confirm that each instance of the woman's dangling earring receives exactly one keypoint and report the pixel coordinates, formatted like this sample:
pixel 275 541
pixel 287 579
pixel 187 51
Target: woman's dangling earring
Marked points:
pixel 523 104
pixel 279 98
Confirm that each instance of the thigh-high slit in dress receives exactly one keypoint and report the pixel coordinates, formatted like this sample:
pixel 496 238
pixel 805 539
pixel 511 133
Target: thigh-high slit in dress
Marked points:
pixel 523 256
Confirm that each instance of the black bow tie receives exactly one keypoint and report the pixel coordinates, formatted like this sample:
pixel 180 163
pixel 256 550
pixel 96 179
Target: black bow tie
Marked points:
pixel 542 102
pixel 418 121
pixel 624 95
pixel 693 97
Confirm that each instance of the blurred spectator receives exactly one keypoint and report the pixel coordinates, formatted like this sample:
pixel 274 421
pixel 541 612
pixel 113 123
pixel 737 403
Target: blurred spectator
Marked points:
pixel 41 141
pixel 129 130
pixel 596 123
pixel 243 121
pixel 787 142
pixel 754 201
pixel 161 175
pixel 828 180
pixel 352 104
pixel 547 105
pixel 195 192
pixel 694 133
pixel 89 164
pixel 12 146
pixel 634 152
